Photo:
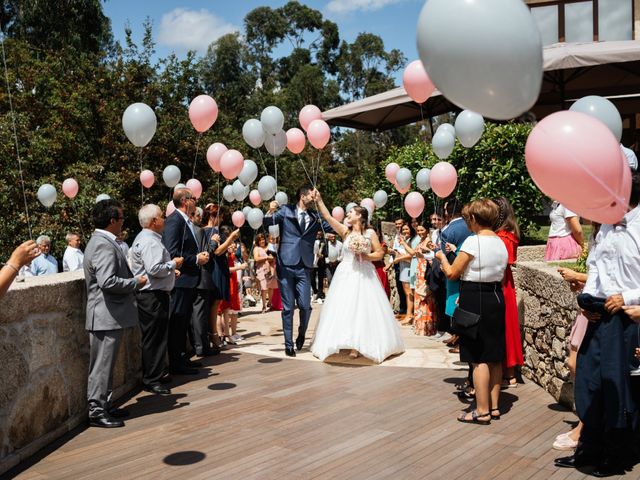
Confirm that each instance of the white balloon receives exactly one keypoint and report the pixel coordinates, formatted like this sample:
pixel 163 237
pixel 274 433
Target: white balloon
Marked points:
pixel 447 127
pixel 267 187
pixel 469 128
pixel 239 190
pixel 178 186
pixel 404 177
pixel 246 211
pixel 422 179
pixel 249 172
pixel 380 198
pixel 443 143
pixel 276 144
pixel 253 133
pixel 47 194
pixel 227 193
pixel 171 176
pixel 350 206
pixel 272 120
pixel 274 230
pixel 282 198
pixel 139 123
pixel 602 109
pixel 102 196
pixel 255 218
pixel 484 56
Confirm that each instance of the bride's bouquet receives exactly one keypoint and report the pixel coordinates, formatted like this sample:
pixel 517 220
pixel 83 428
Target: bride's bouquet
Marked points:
pixel 359 243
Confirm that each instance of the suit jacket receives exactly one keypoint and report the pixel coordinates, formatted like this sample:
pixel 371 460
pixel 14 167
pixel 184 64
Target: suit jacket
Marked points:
pixel 295 245
pixel 180 242
pixel 111 303
pixel 456 233
pixel 205 281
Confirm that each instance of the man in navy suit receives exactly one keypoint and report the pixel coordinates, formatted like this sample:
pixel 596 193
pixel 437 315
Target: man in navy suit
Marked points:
pixel 298 228
pixel 179 237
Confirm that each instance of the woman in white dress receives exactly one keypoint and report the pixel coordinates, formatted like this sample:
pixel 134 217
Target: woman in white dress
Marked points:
pixel 356 314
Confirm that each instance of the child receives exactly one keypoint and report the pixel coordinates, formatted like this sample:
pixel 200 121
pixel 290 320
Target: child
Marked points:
pixel 229 310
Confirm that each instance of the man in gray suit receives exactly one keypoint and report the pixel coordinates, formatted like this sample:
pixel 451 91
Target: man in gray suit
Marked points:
pixel 111 307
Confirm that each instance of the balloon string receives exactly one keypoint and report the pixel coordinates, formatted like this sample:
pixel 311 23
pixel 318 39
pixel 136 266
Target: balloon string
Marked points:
pixel 264 166
pixel 15 137
pixel 75 209
pixel 141 185
pixel 196 157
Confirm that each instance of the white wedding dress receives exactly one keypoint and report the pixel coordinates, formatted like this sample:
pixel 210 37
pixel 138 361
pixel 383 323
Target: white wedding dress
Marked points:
pixel 356 313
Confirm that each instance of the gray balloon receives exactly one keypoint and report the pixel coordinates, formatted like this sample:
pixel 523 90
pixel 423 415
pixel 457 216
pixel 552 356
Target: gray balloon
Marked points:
pixel 380 198
pixel 274 230
pixel 276 144
pixel 47 194
pixel 179 186
pixel 447 127
pixel 227 193
pixel 282 198
pixel 602 109
pixel 249 172
pixel 102 196
pixel 253 133
pixel 246 211
pixel 469 128
pixel 267 187
pixel 171 176
pixel 349 207
pixel 272 120
pixel 422 179
pixel 403 177
pixel 255 218
pixel 443 143
pixel 240 191
pixel 139 123
pixel 484 56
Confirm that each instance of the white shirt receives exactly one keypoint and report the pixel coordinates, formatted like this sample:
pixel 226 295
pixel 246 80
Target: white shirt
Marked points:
pixel 150 257
pixel 72 259
pixel 631 157
pixel 559 227
pixel 614 261
pixel 334 251
pixel 490 258
pixel 299 214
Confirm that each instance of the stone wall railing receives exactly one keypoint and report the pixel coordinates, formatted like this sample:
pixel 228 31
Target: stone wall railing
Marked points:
pixel 44 358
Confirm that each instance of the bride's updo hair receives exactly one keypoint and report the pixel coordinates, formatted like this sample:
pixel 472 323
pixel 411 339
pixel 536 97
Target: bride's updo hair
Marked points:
pixel 364 216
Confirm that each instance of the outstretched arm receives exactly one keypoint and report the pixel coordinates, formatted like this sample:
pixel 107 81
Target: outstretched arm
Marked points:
pixel 338 227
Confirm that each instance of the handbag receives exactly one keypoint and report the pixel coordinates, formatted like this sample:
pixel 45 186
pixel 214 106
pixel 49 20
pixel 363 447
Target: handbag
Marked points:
pixel 464 322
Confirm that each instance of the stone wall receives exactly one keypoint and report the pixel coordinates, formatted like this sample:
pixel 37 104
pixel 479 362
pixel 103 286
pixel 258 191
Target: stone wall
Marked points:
pixel 44 354
pixel 547 309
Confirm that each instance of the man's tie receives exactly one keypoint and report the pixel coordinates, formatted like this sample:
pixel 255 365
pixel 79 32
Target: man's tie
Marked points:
pixel 303 220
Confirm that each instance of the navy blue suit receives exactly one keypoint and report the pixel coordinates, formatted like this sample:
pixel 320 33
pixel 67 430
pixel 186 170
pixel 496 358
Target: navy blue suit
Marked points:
pixel 295 261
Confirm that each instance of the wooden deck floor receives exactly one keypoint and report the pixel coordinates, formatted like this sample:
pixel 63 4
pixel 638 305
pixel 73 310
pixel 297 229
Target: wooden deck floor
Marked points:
pixel 250 416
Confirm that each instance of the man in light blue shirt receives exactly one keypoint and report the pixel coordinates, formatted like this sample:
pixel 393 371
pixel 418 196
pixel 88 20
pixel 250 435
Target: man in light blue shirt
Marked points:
pixel 44 264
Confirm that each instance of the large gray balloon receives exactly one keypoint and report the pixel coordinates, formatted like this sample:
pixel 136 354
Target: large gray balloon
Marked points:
pixel 443 143
pixel 447 127
pixel 272 120
pixel 139 123
pixel 255 218
pixel 253 133
pixel 380 198
pixel 240 191
pixel 403 177
pixel 282 198
pixel 422 179
pixel 101 197
pixel 249 172
pixel 246 211
pixel 171 176
pixel 483 55
pixel 275 144
pixel 267 187
pixel 602 109
pixel 227 193
pixel 349 207
pixel 47 194
pixel 469 128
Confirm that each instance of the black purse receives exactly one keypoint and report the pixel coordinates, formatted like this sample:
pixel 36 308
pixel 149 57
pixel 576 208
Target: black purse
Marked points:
pixel 464 322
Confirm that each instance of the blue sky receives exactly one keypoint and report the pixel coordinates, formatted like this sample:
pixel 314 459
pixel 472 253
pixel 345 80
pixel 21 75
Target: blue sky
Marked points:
pixel 180 25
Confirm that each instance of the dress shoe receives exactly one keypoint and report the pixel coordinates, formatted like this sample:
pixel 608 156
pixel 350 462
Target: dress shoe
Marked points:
pixel 104 420
pixel 119 412
pixel 209 352
pixel 184 371
pixel 574 461
pixel 299 343
pixel 190 364
pixel 157 389
pixel 290 352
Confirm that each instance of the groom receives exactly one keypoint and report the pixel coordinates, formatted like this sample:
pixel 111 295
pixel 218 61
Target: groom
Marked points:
pixel 298 228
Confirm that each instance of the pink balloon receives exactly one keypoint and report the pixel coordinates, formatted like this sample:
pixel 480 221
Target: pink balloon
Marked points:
pixel 195 186
pixel 417 83
pixel 308 114
pixel 369 204
pixel 231 164
pixel 147 178
pixel 214 154
pixel 390 171
pixel 254 197
pixel 443 179
pixel 237 218
pixel 170 208
pixel 414 204
pixel 70 187
pixel 403 190
pixel 318 133
pixel 575 159
pixel 203 112
pixel 338 213
pixel 295 140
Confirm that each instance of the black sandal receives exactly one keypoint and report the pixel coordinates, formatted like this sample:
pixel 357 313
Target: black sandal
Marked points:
pixel 466 394
pixel 474 418
pixel 463 385
pixel 497 416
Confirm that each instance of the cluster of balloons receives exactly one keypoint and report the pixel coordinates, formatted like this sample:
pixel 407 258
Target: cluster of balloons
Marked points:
pixel 47 194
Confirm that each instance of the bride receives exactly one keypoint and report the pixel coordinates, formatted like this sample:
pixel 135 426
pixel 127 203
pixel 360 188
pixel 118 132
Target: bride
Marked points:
pixel 356 313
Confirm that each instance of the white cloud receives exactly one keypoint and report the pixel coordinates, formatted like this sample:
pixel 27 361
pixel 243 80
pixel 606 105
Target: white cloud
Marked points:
pixel 192 29
pixel 349 6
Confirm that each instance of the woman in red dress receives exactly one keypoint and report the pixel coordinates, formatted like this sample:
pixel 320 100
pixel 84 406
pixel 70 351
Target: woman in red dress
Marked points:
pixel 380 266
pixel 507 229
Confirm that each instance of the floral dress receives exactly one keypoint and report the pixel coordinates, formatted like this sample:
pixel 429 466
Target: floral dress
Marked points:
pixel 425 321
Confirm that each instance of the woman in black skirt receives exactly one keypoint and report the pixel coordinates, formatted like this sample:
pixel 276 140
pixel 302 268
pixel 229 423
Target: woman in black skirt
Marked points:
pixel 480 265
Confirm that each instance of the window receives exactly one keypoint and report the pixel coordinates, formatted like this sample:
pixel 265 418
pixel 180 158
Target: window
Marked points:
pixel 615 20
pixel 578 22
pixel 547 20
